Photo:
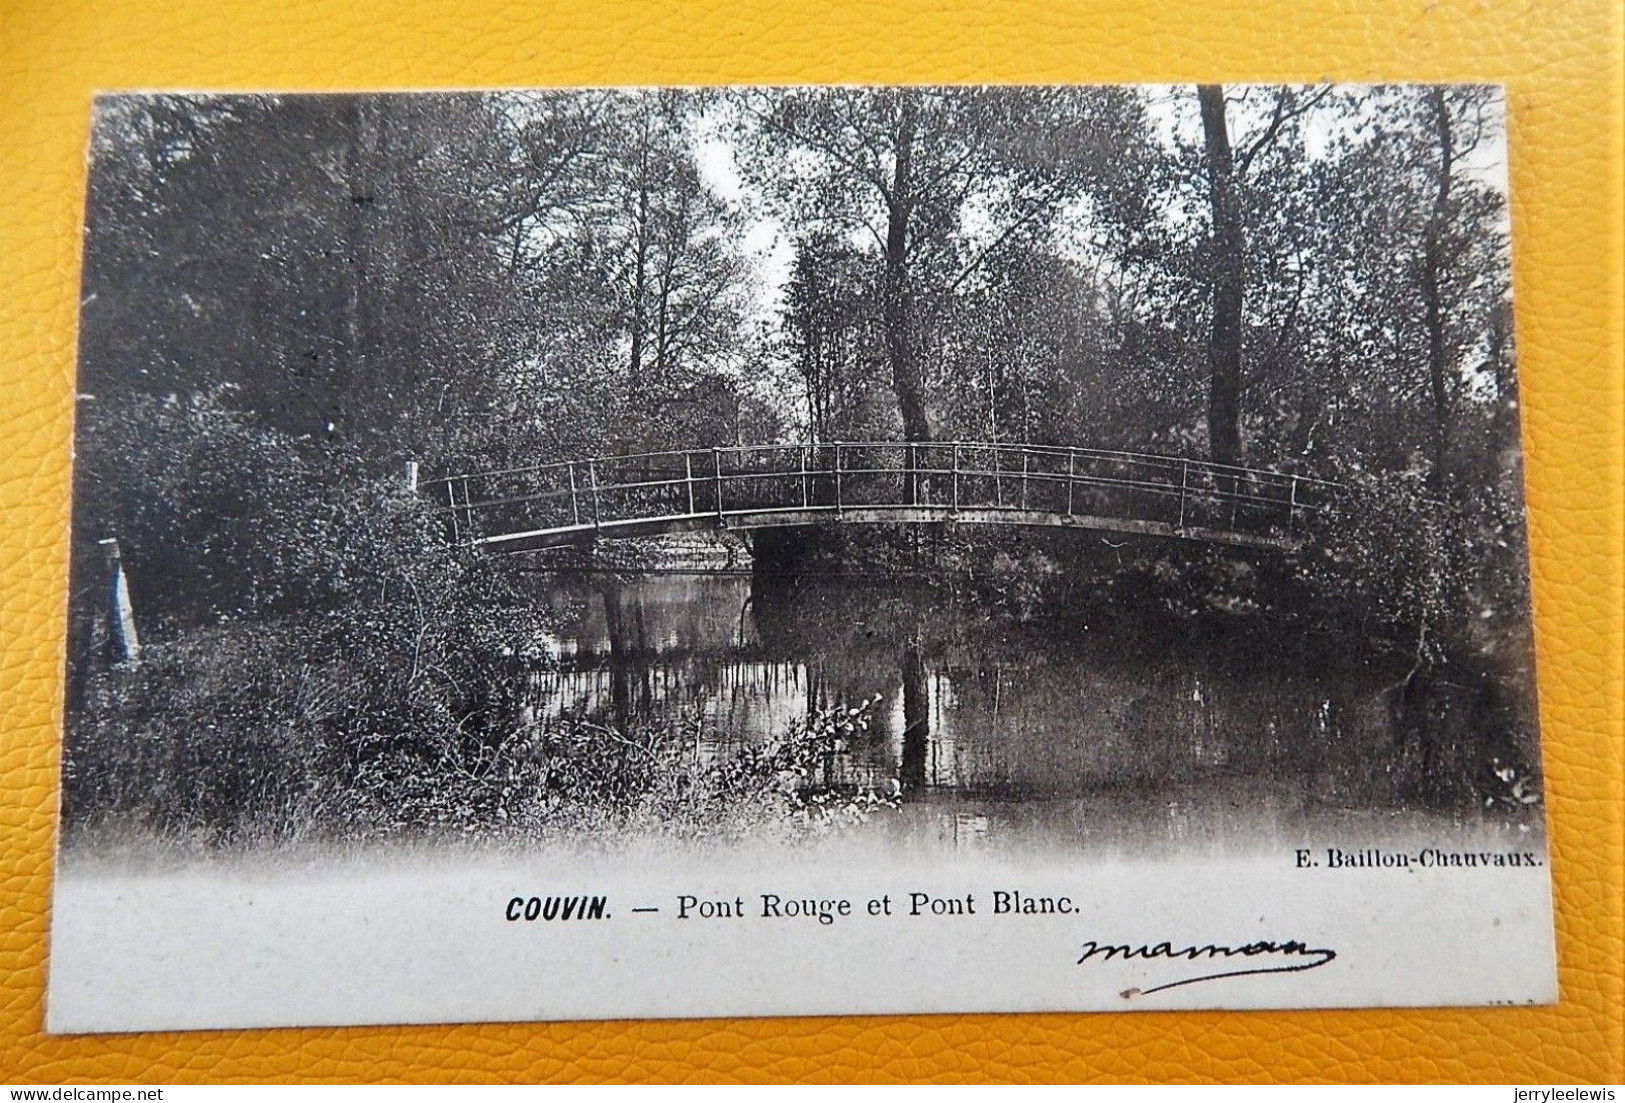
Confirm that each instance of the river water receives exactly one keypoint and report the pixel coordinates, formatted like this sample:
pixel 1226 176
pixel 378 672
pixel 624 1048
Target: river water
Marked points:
pixel 998 731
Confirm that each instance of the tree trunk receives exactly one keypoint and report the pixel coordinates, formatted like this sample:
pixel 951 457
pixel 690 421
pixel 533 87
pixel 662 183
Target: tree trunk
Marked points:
pixel 897 302
pixel 1227 276
pixel 663 323
pixel 1504 423
pixel 640 262
pixel 1433 293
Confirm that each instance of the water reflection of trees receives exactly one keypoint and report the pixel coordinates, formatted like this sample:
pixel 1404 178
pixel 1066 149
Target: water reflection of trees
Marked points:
pixel 978 704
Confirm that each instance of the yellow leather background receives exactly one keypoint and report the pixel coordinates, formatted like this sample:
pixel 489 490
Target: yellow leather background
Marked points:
pixel 1561 60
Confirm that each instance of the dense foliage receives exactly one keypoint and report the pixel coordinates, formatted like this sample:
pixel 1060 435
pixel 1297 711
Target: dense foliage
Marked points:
pixel 287 297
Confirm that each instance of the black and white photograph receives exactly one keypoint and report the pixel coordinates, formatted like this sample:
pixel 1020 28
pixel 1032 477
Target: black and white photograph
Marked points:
pixel 667 552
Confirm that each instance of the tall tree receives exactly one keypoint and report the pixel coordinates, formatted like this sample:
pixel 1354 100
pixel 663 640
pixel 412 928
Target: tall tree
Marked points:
pixel 937 184
pixel 1227 283
pixel 671 250
pixel 831 335
pixel 1432 277
pixel 896 294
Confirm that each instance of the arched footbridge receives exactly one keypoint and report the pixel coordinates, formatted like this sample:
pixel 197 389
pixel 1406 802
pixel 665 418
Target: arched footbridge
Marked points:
pixel 881 482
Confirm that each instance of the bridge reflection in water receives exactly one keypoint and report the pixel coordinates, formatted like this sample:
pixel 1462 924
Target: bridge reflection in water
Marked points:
pixel 998 732
pixel 776 485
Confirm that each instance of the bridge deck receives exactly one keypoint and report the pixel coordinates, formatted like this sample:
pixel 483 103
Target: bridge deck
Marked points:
pixel 889 482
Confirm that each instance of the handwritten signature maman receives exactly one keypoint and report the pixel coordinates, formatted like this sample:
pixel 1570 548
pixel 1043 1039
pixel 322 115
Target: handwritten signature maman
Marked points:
pixel 1291 956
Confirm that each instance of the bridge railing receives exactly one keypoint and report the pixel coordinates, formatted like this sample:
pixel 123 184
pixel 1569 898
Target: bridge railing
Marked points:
pixel 993 481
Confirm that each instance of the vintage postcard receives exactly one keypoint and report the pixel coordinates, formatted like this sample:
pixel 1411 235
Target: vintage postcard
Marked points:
pixel 620 553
